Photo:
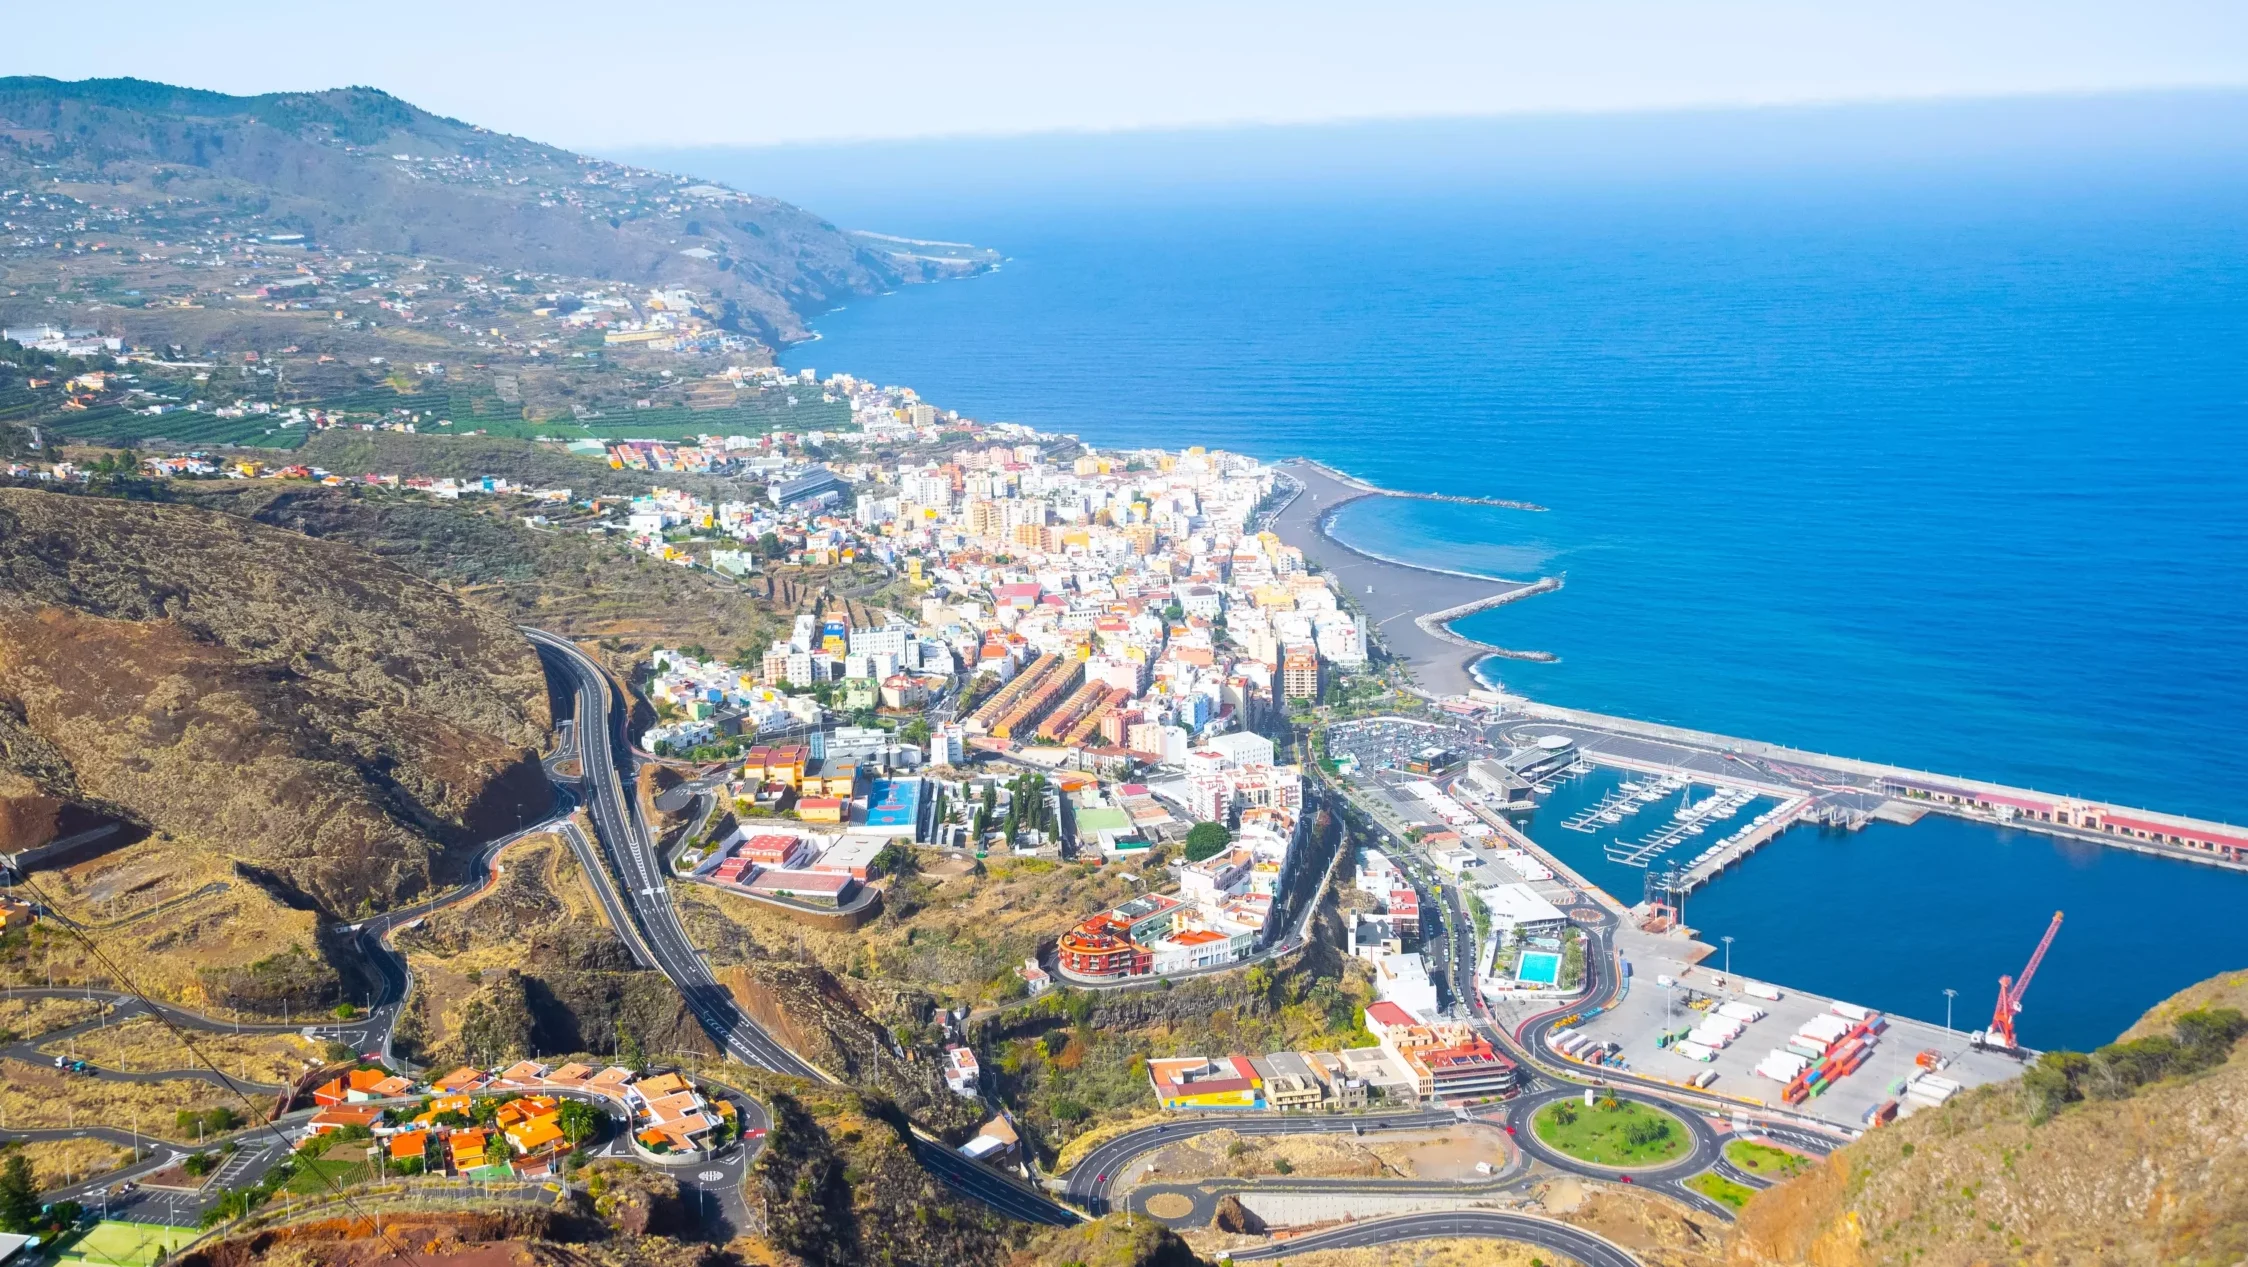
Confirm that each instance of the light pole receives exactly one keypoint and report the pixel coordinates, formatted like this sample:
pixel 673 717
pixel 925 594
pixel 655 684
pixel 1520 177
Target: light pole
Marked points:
pixel 1728 959
pixel 1949 995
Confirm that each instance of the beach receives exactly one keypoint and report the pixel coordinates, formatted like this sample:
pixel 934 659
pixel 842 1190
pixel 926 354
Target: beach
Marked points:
pixel 1408 608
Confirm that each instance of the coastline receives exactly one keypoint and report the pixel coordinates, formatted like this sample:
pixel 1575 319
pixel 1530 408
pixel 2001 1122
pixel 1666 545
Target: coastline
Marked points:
pixel 1409 606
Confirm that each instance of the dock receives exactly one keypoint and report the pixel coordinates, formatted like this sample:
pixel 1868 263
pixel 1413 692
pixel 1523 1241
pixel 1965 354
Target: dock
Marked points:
pixel 1848 793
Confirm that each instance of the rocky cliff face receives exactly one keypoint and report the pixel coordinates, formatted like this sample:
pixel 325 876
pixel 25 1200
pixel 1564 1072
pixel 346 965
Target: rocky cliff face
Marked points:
pixel 325 719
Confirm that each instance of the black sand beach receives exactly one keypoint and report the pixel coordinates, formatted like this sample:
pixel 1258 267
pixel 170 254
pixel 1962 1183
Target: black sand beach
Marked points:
pixel 1408 608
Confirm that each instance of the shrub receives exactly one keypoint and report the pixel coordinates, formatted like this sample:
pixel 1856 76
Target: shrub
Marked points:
pixel 1646 1131
pixel 1205 840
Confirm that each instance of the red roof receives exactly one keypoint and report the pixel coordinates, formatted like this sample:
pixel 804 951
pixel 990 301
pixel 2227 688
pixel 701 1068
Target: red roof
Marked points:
pixel 1388 1013
pixel 2149 825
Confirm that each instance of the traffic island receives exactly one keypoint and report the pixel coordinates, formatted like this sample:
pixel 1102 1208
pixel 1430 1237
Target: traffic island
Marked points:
pixel 1619 1134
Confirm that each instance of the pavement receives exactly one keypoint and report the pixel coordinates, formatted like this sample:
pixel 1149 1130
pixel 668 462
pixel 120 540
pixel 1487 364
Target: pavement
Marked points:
pixel 1529 1229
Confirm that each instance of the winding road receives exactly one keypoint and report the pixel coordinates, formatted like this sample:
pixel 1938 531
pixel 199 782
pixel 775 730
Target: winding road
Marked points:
pixel 1561 1238
pixel 629 875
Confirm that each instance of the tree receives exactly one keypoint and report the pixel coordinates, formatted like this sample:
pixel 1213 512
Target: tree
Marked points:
pixel 19 1195
pixel 1206 840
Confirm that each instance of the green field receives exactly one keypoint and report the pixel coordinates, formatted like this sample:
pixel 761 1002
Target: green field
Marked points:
pixel 1765 1160
pixel 184 430
pixel 468 411
pixel 1612 1133
pixel 1718 1188
pixel 114 1241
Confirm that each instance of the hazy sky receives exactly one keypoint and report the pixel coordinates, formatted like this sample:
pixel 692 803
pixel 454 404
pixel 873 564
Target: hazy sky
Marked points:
pixel 615 74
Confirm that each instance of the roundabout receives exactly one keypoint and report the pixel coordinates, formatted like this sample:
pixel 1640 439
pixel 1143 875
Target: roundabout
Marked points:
pixel 1614 1133
pixel 1701 1147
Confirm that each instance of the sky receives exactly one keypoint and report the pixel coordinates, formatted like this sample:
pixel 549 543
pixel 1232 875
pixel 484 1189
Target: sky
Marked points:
pixel 604 76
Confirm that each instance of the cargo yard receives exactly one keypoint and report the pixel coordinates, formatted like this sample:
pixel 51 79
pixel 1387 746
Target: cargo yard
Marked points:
pixel 1618 830
pixel 1756 1048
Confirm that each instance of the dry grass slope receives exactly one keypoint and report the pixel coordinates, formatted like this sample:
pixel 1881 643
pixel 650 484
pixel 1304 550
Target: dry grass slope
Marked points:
pixel 291 703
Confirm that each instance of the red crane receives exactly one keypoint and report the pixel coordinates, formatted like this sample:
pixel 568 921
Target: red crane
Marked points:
pixel 2011 990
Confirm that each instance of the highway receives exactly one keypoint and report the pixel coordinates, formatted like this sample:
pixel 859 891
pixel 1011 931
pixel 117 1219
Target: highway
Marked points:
pixel 628 874
pixel 1561 1238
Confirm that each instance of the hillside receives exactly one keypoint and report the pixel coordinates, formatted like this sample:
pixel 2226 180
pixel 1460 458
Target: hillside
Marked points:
pixel 2135 1153
pixel 190 269
pixel 356 169
pixel 338 727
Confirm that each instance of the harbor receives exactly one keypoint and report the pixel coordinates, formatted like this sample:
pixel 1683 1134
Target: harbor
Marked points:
pixel 1822 880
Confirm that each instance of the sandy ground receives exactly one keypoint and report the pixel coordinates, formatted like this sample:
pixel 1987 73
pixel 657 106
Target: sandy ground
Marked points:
pixel 1450 1153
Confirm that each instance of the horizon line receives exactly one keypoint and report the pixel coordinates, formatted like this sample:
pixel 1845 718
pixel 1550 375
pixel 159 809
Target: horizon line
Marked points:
pixel 1550 114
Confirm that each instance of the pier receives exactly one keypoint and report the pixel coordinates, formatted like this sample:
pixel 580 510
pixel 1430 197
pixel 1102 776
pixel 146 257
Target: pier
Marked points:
pixel 1847 793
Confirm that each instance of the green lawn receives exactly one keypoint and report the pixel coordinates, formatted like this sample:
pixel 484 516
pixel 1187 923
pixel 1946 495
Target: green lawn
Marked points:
pixel 1765 1160
pixel 1628 1134
pixel 114 1241
pixel 1718 1188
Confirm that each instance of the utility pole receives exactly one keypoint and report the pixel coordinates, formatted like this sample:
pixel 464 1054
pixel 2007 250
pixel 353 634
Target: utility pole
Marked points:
pixel 1949 995
pixel 1728 958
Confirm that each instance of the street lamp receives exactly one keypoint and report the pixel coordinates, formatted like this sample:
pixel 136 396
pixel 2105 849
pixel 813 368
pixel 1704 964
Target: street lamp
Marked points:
pixel 1949 995
pixel 1728 958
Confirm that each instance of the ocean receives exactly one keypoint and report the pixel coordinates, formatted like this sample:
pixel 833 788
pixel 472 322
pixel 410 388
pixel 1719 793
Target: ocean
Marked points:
pixel 1942 465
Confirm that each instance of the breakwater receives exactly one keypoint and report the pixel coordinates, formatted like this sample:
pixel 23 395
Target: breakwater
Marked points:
pixel 1365 489
pixel 1725 758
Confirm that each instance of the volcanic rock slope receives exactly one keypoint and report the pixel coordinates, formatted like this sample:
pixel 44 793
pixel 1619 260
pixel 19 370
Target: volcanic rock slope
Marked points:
pixel 341 728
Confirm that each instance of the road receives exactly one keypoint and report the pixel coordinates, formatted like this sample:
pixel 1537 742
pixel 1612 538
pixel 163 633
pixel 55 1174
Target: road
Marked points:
pixel 629 875
pixel 638 901
pixel 1094 1180
pixel 1561 1238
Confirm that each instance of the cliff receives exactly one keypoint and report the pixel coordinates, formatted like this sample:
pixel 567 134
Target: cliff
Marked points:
pixel 2132 1154
pixel 339 728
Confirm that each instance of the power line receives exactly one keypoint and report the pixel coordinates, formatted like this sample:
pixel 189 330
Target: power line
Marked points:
pixel 154 1009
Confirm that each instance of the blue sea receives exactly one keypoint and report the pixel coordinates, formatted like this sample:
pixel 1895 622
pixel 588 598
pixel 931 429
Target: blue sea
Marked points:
pixel 1941 464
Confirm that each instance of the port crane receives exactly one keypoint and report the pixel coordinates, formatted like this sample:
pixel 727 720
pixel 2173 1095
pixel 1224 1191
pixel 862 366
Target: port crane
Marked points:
pixel 2000 1035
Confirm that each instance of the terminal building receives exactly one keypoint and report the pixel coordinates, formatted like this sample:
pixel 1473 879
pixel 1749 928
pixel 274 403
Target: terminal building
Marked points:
pixel 1550 755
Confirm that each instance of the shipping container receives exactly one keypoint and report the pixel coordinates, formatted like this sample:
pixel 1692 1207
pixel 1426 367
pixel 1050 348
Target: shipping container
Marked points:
pixel 1879 1024
pixel 1848 1011
pixel 1692 1050
pixel 1928 1059
pixel 1829 1028
pixel 1885 1112
pixel 1759 990
pixel 1797 1095
pixel 1746 1013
